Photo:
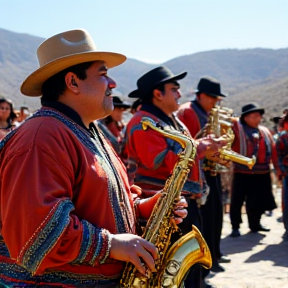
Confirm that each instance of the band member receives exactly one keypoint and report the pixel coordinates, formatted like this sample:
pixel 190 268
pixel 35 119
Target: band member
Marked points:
pixel 154 156
pixel 282 152
pixel 67 217
pixel 22 115
pixel 136 106
pixel 113 126
pixel 7 116
pixel 278 128
pixel 252 185
pixel 194 114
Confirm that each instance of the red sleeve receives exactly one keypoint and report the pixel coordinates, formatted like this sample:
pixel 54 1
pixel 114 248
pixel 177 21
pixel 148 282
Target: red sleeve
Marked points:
pixel 145 206
pixel 190 119
pixel 274 151
pixel 151 150
pixel 236 143
pixel 39 226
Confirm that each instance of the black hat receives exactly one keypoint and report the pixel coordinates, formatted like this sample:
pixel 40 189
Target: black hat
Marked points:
pixel 118 102
pixel 147 82
pixel 283 118
pixel 209 86
pixel 250 108
pixel 275 119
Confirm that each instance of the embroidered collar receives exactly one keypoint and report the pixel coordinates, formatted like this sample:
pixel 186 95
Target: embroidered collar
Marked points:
pixel 70 113
pixel 67 111
pixel 158 113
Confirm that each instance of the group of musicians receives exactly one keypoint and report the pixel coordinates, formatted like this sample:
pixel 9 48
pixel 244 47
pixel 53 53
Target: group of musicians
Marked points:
pixel 151 158
pixel 74 200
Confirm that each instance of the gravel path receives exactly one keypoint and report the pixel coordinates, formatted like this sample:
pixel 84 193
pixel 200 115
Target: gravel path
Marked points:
pixel 257 259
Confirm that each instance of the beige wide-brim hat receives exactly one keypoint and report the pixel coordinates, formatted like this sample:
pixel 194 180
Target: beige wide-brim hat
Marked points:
pixel 62 51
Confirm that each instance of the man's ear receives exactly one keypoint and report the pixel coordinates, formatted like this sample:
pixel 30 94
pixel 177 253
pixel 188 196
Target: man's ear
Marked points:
pixel 157 94
pixel 71 82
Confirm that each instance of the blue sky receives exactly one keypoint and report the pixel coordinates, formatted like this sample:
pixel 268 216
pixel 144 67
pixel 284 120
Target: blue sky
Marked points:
pixel 155 31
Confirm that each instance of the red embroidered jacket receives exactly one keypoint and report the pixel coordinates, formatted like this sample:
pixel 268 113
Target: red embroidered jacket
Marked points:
pixel 282 152
pixel 258 142
pixel 189 117
pixel 62 193
pixel 153 157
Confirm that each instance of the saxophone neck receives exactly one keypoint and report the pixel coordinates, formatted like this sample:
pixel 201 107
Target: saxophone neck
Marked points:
pixel 186 142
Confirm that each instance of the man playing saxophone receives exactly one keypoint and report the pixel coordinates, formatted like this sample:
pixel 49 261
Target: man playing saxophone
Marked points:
pixel 152 156
pixel 67 219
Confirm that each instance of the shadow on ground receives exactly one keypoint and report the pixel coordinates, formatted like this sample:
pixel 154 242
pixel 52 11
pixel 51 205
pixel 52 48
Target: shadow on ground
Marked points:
pixel 277 253
pixel 245 242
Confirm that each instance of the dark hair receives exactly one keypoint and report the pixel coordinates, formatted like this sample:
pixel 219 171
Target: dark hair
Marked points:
pixel 108 119
pixel 283 120
pixel 135 105
pixel 53 87
pixel 148 98
pixel 12 115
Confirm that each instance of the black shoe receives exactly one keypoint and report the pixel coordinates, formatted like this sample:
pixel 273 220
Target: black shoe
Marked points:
pixel 260 228
pixel 280 219
pixel 206 285
pixel 209 286
pixel 224 259
pixel 235 233
pixel 217 268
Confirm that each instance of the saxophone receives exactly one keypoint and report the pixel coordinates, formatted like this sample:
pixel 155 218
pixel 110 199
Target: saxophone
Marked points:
pixel 173 262
pixel 219 123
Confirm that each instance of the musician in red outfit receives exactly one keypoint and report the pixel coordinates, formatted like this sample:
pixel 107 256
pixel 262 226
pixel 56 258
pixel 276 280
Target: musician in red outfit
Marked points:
pixel 67 210
pixel 252 185
pixel 152 158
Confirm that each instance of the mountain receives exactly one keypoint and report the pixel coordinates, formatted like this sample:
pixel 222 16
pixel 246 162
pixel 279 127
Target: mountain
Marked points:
pixel 250 75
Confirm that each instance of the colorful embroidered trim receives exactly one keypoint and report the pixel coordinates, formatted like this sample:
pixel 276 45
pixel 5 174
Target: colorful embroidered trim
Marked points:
pixel 13 274
pixel 46 236
pixel 95 246
pixel 94 147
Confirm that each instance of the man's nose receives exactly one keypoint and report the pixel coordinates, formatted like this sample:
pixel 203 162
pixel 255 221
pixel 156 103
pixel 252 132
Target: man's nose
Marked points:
pixel 111 84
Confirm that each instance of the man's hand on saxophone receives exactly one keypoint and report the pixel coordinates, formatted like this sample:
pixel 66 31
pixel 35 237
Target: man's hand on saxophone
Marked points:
pixel 138 251
pixel 180 212
pixel 209 146
pixel 144 207
pixel 130 248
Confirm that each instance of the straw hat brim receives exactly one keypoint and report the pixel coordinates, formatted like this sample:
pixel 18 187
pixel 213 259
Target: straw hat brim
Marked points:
pixel 32 85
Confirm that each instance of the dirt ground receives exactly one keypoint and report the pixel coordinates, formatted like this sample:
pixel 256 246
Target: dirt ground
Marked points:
pixel 257 259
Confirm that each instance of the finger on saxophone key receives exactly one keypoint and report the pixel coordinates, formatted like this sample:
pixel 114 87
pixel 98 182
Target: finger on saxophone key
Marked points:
pixel 134 249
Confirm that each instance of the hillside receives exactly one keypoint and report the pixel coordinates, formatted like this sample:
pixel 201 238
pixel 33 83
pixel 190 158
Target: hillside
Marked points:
pixel 259 75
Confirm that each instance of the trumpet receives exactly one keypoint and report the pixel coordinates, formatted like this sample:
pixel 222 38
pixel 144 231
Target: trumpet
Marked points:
pixel 220 124
pixel 230 155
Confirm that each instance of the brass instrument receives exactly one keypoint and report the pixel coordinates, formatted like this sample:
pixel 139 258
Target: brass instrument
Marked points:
pixel 174 262
pixel 219 124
